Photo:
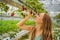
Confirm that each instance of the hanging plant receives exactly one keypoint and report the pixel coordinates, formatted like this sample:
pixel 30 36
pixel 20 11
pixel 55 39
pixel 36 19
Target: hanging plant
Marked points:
pixel 36 5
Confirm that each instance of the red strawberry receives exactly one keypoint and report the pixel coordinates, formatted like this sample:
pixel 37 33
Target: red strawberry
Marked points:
pixel 23 8
pixel 31 12
pixel 12 14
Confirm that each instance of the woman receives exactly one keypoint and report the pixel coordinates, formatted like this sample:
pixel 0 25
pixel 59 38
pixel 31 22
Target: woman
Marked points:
pixel 42 29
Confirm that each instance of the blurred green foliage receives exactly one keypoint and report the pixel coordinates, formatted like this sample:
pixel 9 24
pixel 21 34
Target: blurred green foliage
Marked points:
pixel 10 25
pixel 6 26
pixel 57 16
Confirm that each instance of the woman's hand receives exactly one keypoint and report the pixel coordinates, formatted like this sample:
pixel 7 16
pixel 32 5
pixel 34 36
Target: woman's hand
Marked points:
pixel 24 20
pixel 22 26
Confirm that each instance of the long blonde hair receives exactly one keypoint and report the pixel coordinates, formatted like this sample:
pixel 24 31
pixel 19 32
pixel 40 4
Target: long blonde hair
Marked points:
pixel 46 27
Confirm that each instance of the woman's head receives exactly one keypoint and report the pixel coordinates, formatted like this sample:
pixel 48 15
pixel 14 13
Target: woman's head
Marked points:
pixel 39 18
pixel 45 20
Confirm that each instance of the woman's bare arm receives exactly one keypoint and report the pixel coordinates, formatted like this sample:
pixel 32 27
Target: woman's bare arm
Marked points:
pixel 21 23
